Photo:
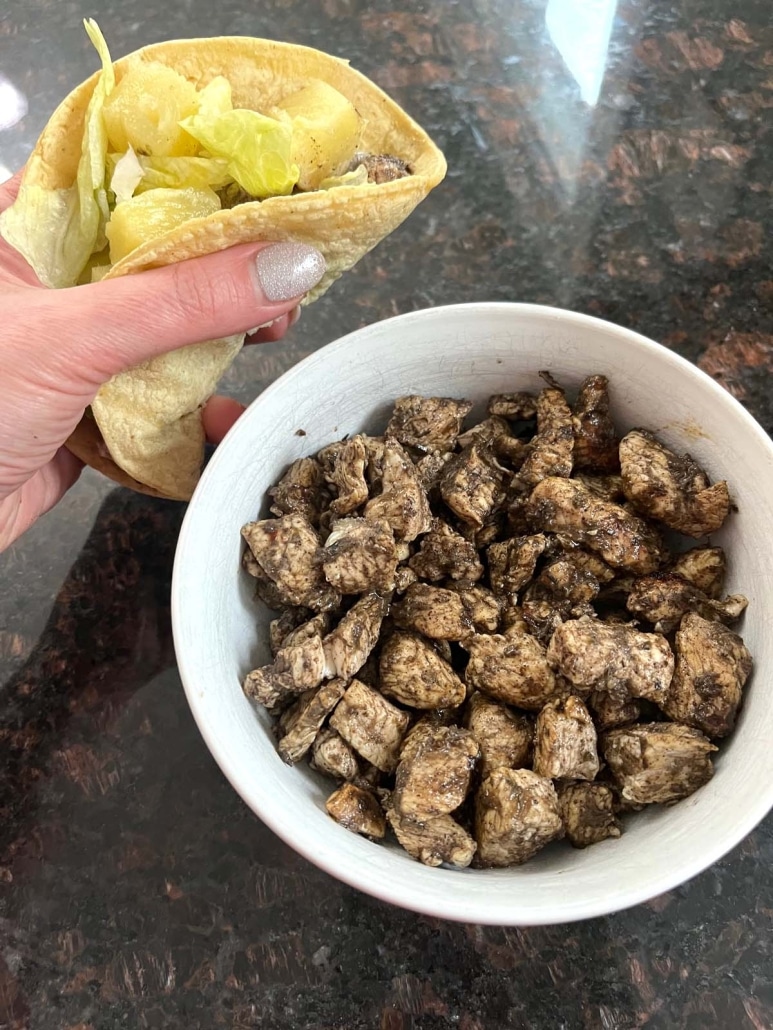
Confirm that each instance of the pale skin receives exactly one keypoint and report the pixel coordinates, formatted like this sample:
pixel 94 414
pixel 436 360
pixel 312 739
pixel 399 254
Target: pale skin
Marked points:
pixel 57 347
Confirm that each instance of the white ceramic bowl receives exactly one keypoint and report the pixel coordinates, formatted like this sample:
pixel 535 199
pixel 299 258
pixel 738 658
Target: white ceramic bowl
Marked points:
pixel 472 351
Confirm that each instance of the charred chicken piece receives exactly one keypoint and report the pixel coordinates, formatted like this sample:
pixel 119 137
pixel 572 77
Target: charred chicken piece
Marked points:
pixel 371 725
pixel 671 487
pixel 296 668
pixel 664 598
pixel 403 500
pixel 333 757
pixel 286 550
pixel 551 450
pixel 347 647
pixel 608 488
pixel 512 562
pixel 434 773
pixel 567 581
pixel 516 815
pixel 565 741
pixel 482 607
pixel 471 484
pixel 587 811
pixel 413 673
pixel 359 556
pixel 621 539
pixel 595 439
pixel 512 669
pixel 517 407
pixel 495 432
pixel 444 553
pixel 704 567
pixel 381 168
pixel 427 423
pixel 308 715
pixel 610 712
pixel 659 762
pixel 712 667
pixel 435 842
pixel 436 613
pixel 348 477
pixel 357 810
pixel 301 491
pixel 431 468
pixel 541 618
pixel 505 738
pixel 279 629
pixel 620 660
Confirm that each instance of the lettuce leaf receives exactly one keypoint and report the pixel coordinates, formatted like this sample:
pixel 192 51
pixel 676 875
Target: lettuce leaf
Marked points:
pixel 179 173
pixel 357 177
pixel 125 175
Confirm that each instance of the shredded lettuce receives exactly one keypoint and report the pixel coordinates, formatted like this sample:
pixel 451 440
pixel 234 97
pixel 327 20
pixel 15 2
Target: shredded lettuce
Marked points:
pixel 357 177
pixel 179 173
pixel 92 194
pixel 126 175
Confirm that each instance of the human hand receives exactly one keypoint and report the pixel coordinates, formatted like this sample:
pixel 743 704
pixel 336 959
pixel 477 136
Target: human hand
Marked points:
pixel 57 347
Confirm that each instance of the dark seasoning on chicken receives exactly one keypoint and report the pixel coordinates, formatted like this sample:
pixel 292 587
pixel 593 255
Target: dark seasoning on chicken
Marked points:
pixel 482 637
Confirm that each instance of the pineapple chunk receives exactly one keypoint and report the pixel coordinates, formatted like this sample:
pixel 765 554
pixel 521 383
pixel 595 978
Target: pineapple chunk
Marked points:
pixel 154 213
pixel 326 131
pixel 144 111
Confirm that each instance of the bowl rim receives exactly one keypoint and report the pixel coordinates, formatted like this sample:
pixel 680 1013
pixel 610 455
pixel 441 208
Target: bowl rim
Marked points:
pixel 453 908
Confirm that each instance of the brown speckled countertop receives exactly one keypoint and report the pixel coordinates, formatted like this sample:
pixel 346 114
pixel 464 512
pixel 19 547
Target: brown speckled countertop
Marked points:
pixel 628 177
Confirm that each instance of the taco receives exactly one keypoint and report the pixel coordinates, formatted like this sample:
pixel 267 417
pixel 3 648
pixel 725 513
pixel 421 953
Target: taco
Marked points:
pixel 188 147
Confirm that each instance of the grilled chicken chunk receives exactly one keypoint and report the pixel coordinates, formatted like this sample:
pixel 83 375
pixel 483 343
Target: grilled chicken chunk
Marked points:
pixel 671 487
pixel 403 578
pixel 541 619
pixel 587 811
pixel 712 666
pixel 658 762
pixel 301 491
pixel 413 673
pixel 431 468
pixel 551 450
pixel 471 484
pixel 333 757
pixel 280 628
pixel 513 669
pixel 516 814
pixel 434 842
pixel 403 500
pixel 495 432
pixel 567 582
pixel 286 550
pixel 595 439
pixel 565 741
pixel 436 613
pixel 609 712
pixel 306 718
pixel 427 423
pixel 433 777
pixel 348 477
pixel 664 598
pixel 381 167
pixel 608 488
pixel 482 607
pixel 359 556
pixel 517 407
pixel 623 540
pixel 443 553
pixel 295 669
pixel 357 810
pixel 704 567
pixel 347 647
pixel 371 725
pixel 620 660
pixel 512 562
pixel 505 738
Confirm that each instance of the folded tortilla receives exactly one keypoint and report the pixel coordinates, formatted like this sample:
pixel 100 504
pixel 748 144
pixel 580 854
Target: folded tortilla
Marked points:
pixel 144 428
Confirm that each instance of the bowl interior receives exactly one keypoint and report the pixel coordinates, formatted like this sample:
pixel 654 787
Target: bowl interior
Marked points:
pixel 471 351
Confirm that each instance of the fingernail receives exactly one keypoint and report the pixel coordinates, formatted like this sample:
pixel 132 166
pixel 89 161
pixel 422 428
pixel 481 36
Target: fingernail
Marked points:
pixel 295 316
pixel 287 270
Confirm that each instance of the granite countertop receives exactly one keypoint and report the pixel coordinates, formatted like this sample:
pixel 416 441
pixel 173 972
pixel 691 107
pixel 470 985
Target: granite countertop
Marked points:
pixel 614 161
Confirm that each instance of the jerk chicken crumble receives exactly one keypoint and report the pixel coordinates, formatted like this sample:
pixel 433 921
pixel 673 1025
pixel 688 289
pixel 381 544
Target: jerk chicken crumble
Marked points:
pixel 482 637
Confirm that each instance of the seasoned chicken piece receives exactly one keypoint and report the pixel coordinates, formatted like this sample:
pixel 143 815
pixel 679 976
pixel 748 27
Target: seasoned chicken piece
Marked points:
pixel 517 407
pixel 348 476
pixel 704 567
pixel 413 673
pixel 431 468
pixel 595 439
pixel 381 167
pixel 279 629
pixel 565 741
pixel 286 550
pixel 357 810
pixel 496 433
pixel 623 540
pixel 482 607
pixel 587 811
pixel 617 659
pixel 438 841
pixel 332 756
pixel 608 488
pixel 317 626
pixel 516 814
pixel 427 423
pixel 610 712
pixel 403 578
pixel 512 669
pixel 372 725
pixel 433 776
pixel 671 487
pixel 438 614
pixel 541 619
pixel 472 484
pixel 347 647
pixel 505 738
pixel 296 668
pixel 512 562
pixel 301 491
pixel 513 620
pixel 443 553
pixel 567 581
pixel 712 667
pixel 359 556
pixel 658 762
pixel 308 715
pixel 403 500
pixel 265 588
pixel 664 598
pixel 552 448
pixel 374 460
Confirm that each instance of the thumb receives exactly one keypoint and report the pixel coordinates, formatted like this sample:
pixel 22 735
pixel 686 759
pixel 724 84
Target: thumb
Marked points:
pixel 104 328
